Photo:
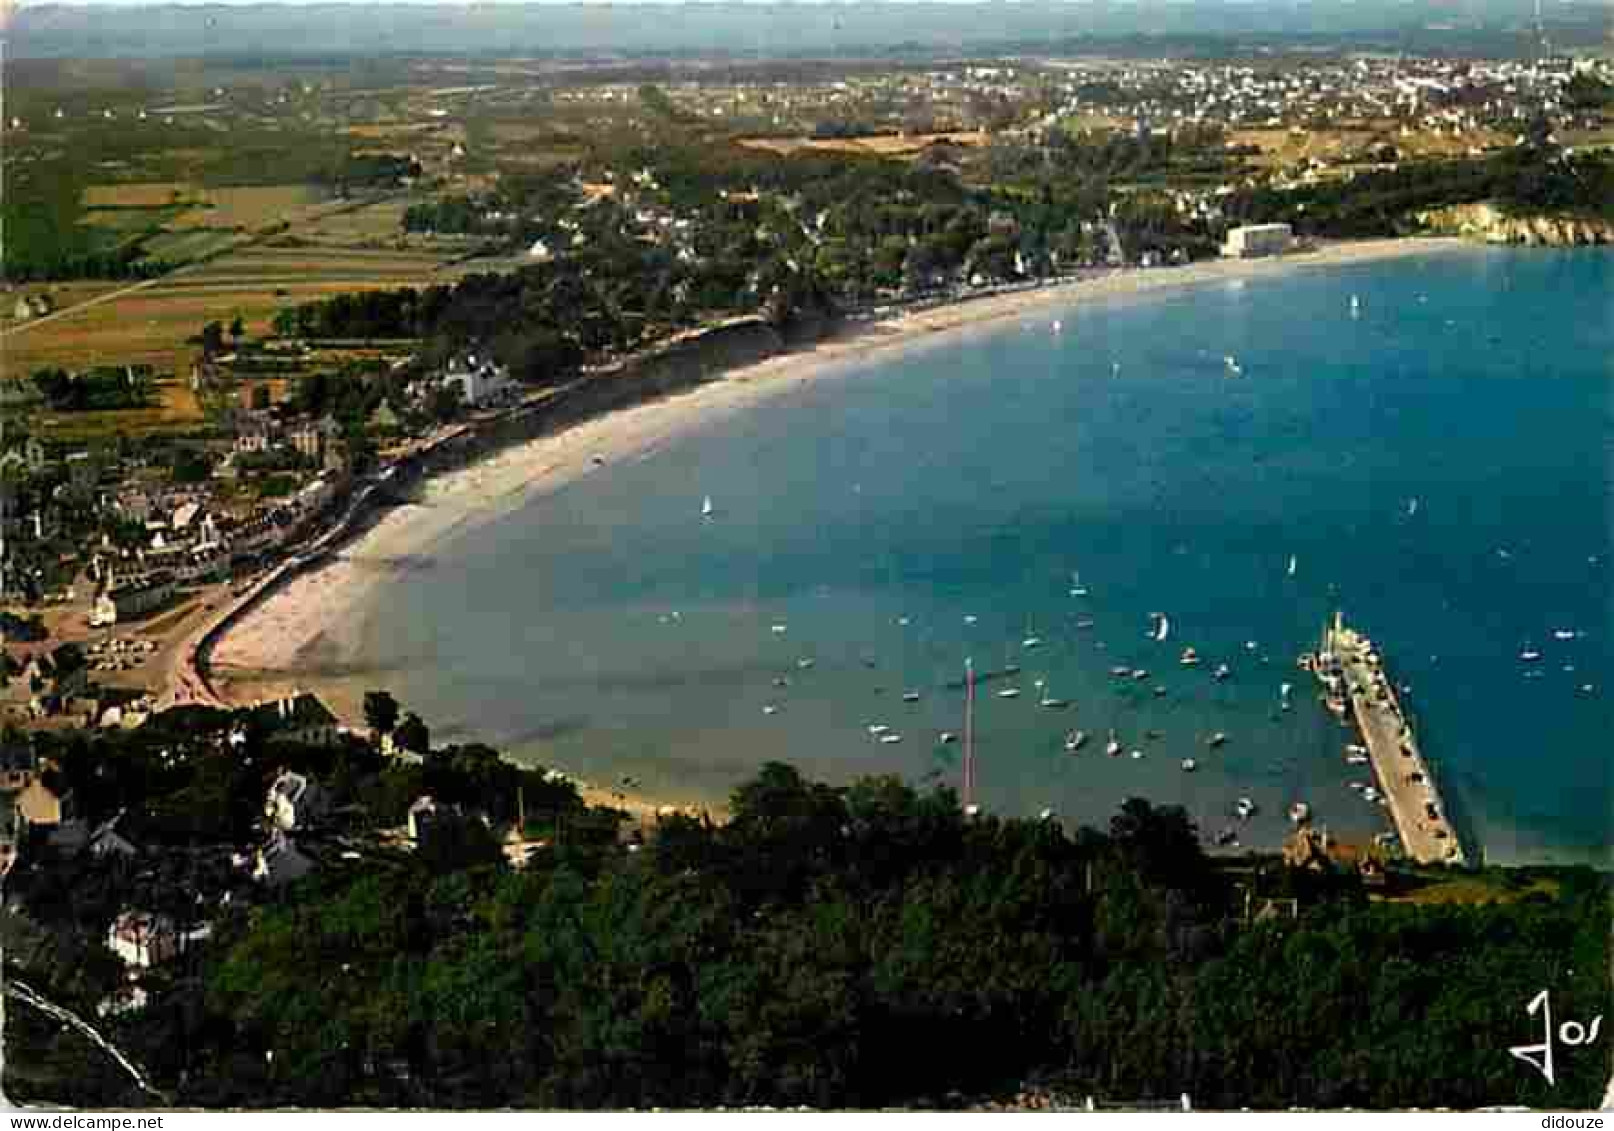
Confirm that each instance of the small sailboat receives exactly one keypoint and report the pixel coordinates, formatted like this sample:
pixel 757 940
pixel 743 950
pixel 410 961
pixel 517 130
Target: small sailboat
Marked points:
pixel 890 738
pixel 1222 672
pixel 1050 700
pixel 1529 655
pixel 1245 808
pixel 1299 813
pixel 1163 628
pixel 1216 740
pixel 1356 307
pixel 1294 564
pixel 1189 765
pixel 1283 695
pixel 1113 746
pixel 877 729
pixel 1031 640
pixel 1190 658
pixel 1233 368
pixel 1075 740
pixel 910 696
pixel 707 510
pixel 770 709
pixel 1077 589
pixel 1137 755
pixel 946 738
pixel 1412 507
pixel 1009 693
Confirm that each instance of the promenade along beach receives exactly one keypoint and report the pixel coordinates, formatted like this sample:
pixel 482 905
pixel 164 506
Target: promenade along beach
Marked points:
pixel 1410 431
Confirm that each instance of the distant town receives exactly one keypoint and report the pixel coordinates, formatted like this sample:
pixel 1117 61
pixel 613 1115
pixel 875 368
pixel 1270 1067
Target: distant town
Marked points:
pixel 249 309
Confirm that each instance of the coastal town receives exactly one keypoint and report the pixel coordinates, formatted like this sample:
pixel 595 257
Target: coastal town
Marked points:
pixel 236 349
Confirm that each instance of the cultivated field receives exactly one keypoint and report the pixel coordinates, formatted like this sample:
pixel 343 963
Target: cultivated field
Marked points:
pixel 1282 148
pixel 250 207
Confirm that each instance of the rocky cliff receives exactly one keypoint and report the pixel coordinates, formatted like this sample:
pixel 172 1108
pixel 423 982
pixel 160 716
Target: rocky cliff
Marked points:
pixel 1487 222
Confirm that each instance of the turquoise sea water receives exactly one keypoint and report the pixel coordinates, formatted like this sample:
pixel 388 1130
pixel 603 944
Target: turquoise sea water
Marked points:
pixel 609 630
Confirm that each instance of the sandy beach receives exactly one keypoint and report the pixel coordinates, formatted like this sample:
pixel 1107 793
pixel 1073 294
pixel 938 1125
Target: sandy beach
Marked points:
pixel 300 635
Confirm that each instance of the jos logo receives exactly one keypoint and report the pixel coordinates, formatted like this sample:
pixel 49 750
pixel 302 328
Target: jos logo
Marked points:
pixel 1570 1033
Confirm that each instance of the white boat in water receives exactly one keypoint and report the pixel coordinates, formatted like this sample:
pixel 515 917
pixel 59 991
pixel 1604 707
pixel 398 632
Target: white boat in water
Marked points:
pixel 1356 307
pixel 707 510
pixel 1216 740
pixel 1113 746
pixel 1245 808
pixel 1294 564
pixel 1189 765
pixel 1163 629
pixel 1077 589
pixel 1031 640
pixel 1189 659
pixel 1050 700
pixel 1233 368
pixel 1009 693
pixel 1075 740
pixel 1529 655
pixel 1300 812
pixel 890 738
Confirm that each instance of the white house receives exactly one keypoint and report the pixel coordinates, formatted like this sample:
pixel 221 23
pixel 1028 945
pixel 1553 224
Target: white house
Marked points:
pixel 143 939
pixel 481 380
pixel 295 801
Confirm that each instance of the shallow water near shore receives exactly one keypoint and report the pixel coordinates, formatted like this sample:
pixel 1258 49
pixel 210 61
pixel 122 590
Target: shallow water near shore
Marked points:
pixel 1437 464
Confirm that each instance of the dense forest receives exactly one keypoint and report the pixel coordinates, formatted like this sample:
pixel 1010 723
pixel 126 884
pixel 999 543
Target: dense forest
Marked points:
pixel 830 946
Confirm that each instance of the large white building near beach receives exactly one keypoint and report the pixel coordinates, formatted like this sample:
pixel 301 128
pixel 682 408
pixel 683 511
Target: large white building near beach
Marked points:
pixel 1253 240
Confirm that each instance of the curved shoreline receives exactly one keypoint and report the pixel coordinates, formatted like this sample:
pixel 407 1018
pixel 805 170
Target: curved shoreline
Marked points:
pixel 269 633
